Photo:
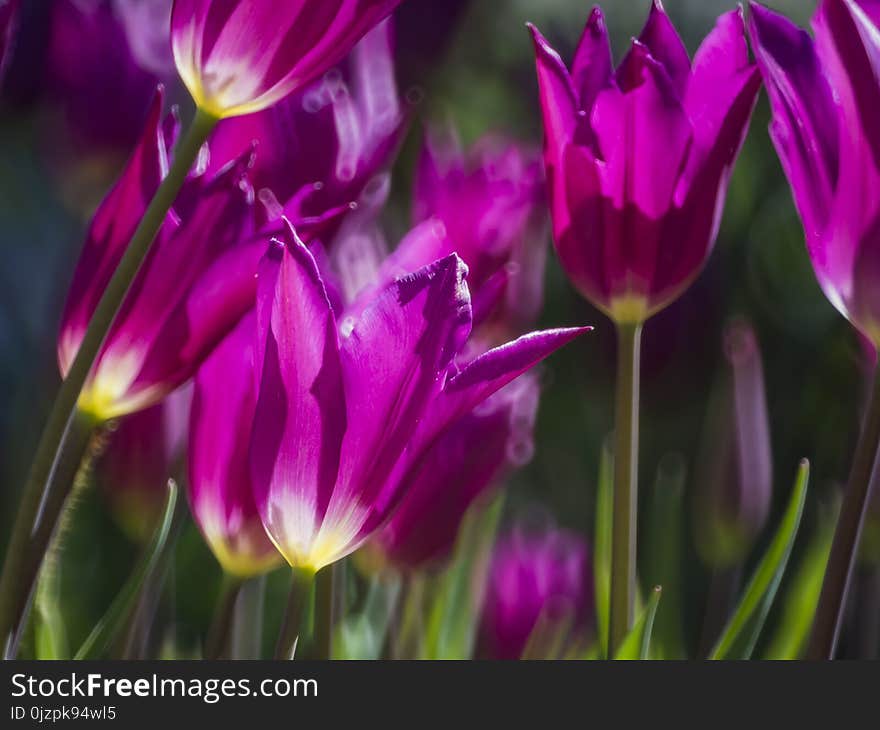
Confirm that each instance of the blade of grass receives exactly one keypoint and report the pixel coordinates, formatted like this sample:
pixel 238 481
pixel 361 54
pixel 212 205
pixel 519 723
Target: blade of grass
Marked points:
pixel 114 621
pixel 738 639
pixel 637 643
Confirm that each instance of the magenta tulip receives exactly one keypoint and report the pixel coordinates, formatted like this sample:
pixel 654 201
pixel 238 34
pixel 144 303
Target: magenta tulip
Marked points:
pixel 343 413
pixel 321 146
pixel 220 492
pixel 8 20
pixel 543 577
pixel 190 292
pixel 638 159
pixel 240 56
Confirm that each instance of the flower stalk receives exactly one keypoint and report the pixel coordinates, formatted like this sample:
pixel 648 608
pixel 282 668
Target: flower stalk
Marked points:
pixel 64 437
pixel 844 548
pixel 626 457
pixel 217 643
pixel 299 605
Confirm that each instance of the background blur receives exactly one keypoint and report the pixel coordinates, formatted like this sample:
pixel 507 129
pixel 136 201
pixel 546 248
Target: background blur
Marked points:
pixel 470 63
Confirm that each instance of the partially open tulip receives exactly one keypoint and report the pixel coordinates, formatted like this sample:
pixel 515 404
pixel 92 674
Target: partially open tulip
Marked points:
pixel 344 411
pixel 824 95
pixel 735 478
pixel 220 492
pixel 540 577
pixel 241 56
pixel 189 293
pixel 321 146
pixel 638 158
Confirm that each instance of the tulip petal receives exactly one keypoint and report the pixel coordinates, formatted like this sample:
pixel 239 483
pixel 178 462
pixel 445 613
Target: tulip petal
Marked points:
pixel 300 414
pixel 593 67
pixel 665 46
pixel 220 490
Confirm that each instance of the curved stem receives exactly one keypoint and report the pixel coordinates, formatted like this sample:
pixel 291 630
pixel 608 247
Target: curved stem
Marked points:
pixel 626 457
pixel 217 642
pixel 40 502
pixel 299 605
pixel 844 548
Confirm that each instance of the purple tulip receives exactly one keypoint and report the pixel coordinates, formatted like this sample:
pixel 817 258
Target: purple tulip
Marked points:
pixel 192 289
pixel 320 147
pixel 8 19
pixel 532 578
pixel 485 206
pixel 638 158
pixel 346 406
pixel 454 472
pixel 824 95
pixel 737 470
pixel 220 492
pixel 240 56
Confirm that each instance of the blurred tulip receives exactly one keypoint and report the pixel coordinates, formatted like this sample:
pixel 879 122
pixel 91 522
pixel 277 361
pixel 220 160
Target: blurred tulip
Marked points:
pixel 534 578
pixel 824 95
pixel 347 406
pixel 220 492
pixel 454 472
pixel 736 474
pixel 638 159
pixel 8 19
pixel 240 56
pixel 192 289
pixel 318 148
pixel 485 206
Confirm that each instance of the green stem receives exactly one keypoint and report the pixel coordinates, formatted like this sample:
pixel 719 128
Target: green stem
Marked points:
pixel 31 536
pixel 324 602
pixel 844 548
pixel 45 485
pixel 295 625
pixel 626 456
pixel 217 642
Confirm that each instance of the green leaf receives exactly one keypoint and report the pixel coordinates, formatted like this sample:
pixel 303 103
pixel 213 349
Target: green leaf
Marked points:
pixel 452 620
pixel 738 639
pixel 663 556
pixel 637 644
pixel 551 635
pixel 362 635
pixel 802 595
pixel 602 545
pixel 114 621
pixel 50 633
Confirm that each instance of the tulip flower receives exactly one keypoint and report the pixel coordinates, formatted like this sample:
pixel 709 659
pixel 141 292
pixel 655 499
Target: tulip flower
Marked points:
pixel 344 411
pixel 824 95
pixel 320 147
pixel 453 474
pixel 240 56
pixel 186 296
pixel 535 578
pixel 638 160
pixel 484 205
pixel 736 476
pixel 220 492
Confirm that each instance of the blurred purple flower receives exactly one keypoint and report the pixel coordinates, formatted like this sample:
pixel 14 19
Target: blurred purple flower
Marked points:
pixel 532 578
pixel 241 56
pixel 220 492
pixel 346 407
pixel 318 149
pixel 638 159
pixel 8 20
pixel 486 206
pixel 736 474
pixel 96 52
pixel 192 289
pixel 454 472
pixel 825 98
